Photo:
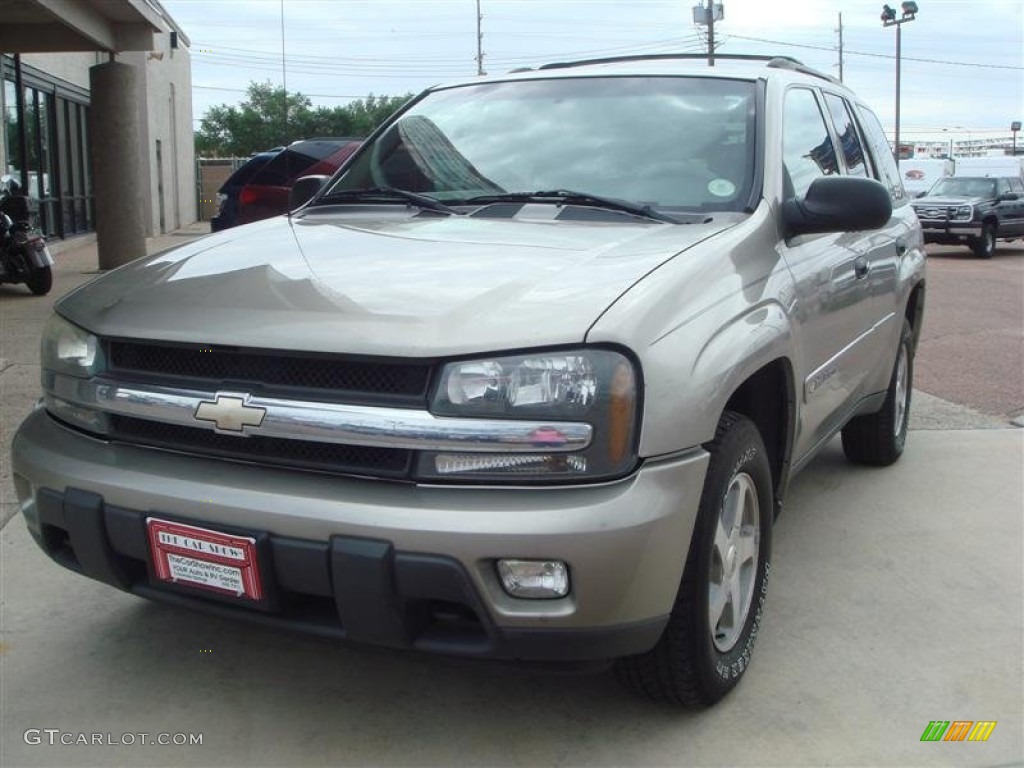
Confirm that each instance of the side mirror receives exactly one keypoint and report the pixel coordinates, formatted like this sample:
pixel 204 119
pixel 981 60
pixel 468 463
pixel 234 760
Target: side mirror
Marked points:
pixel 838 204
pixel 303 189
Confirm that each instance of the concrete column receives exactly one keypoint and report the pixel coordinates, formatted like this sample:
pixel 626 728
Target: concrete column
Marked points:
pixel 120 192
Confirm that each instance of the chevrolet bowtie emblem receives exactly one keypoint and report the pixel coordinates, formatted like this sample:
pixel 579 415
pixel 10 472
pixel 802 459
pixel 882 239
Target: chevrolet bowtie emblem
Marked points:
pixel 230 413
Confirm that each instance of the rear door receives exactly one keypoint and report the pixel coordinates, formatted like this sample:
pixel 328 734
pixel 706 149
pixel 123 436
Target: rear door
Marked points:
pixel 1011 212
pixel 834 313
pixel 897 249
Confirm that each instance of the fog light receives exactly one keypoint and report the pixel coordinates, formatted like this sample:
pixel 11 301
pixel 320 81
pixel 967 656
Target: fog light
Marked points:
pixel 534 579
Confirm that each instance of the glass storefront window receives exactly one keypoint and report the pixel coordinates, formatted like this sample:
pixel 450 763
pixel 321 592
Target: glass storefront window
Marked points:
pixel 50 138
pixel 13 131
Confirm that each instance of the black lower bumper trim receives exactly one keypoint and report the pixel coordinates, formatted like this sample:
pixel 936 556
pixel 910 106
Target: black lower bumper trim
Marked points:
pixel 348 588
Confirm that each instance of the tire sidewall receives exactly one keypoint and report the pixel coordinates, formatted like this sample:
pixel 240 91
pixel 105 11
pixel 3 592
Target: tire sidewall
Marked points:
pixel 743 451
pixel 40 280
pixel 906 349
pixel 987 242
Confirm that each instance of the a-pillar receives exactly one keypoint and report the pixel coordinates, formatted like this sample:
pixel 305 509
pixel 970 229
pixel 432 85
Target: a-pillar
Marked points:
pixel 116 164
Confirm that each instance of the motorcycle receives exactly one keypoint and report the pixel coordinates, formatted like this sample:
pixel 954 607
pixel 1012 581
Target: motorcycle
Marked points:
pixel 24 257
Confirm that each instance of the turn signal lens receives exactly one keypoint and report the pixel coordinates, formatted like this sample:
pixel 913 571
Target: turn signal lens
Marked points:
pixel 621 416
pixel 526 463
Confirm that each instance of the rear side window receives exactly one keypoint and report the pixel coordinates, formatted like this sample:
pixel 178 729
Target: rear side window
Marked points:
pixel 242 176
pixel 807 149
pixel 849 142
pixel 885 164
pixel 293 162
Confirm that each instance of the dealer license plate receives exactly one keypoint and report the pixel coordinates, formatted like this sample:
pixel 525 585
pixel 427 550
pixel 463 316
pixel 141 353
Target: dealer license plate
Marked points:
pixel 198 557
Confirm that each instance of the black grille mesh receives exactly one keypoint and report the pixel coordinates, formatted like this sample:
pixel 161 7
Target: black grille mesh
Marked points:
pixel 271 369
pixel 323 457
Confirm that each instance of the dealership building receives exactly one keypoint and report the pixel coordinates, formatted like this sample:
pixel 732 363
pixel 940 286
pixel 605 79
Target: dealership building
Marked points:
pixel 96 101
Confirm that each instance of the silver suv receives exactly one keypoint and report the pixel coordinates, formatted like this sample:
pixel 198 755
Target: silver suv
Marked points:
pixel 526 379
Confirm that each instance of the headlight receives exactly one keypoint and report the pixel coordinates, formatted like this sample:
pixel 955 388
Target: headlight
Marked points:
pixel 596 386
pixel 964 213
pixel 68 349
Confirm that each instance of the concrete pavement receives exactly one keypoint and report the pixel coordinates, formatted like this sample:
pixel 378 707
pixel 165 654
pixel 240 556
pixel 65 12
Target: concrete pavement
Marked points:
pixel 895 599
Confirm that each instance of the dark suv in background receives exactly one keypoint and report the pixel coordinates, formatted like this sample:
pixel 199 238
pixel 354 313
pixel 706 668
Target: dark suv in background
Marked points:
pixel 973 210
pixel 266 193
pixel 227 195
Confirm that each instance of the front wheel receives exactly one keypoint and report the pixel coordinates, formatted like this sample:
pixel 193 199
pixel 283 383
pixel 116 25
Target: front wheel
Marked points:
pixel 707 644
pixel 40 280
pixel 985 245
pixel 878 439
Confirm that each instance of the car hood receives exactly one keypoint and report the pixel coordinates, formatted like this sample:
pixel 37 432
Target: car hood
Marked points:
pixel 949 200
pixel 385 282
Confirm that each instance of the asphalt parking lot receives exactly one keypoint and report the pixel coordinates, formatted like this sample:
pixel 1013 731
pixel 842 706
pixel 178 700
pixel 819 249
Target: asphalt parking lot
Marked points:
pixel 896 598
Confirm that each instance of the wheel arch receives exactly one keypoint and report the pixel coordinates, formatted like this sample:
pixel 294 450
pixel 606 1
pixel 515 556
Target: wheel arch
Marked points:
pixel 914 312
pixel 768 398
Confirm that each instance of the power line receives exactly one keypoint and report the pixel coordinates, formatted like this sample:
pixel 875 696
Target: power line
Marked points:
pixel 880 55
pixel 246 90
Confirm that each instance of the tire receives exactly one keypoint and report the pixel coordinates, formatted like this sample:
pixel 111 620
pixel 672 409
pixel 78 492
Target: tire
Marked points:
pixel 877 439
pixel 985 245
pixel 40 280
pixel 699 659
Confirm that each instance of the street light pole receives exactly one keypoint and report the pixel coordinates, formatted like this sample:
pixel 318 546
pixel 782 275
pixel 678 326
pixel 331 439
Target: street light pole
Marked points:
pixel 899 58
pixel 889 20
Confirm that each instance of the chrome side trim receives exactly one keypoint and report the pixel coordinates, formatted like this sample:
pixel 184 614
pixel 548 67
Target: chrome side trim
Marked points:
pixel 821 375
pixel 328 422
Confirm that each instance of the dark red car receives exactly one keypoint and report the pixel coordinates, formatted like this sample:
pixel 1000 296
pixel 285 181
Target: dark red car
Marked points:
pixel 266 194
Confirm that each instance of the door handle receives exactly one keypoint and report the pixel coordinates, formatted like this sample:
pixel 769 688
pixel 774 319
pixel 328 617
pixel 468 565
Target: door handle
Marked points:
pixel 861 267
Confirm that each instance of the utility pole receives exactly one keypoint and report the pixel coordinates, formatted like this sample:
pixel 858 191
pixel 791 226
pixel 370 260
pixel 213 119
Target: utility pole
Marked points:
pixel 840 47
pixel 706 17
pixel 711 33
pixel 479 41
pixel 284 77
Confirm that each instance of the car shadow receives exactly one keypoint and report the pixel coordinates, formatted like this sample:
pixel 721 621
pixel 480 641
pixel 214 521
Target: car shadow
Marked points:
pixel 1004 251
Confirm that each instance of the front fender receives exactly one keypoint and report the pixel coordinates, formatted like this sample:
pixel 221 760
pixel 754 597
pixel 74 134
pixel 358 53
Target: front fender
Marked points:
pixel 682 408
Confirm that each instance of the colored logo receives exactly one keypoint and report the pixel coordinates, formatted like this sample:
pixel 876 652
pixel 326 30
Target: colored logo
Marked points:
pixel 958 730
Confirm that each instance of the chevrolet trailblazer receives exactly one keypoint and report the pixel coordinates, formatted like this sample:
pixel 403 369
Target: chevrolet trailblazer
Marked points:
pixel 526 379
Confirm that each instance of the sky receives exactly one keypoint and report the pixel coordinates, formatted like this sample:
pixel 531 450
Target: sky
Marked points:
pixel 962 61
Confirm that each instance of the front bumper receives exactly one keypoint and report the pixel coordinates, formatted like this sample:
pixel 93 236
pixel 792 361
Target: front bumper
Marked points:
pixel 385 563
pixel 940 230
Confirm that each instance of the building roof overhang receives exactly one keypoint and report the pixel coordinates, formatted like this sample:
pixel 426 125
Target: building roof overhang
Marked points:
pixel 44 26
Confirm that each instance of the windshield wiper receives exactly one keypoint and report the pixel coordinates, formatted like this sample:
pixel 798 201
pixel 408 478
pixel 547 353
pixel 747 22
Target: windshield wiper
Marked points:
pixel 573 197
pixel 423 201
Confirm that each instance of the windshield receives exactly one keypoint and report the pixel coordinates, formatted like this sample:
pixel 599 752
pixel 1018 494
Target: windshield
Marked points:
pixel 963 187
pixel 671 142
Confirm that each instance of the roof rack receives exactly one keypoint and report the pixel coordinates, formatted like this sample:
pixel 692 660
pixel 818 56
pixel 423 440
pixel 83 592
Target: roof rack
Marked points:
pixel 776 62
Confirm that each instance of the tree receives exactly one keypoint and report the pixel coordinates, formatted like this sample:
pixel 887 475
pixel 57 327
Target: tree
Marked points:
pixel 260 122
pixel 257 123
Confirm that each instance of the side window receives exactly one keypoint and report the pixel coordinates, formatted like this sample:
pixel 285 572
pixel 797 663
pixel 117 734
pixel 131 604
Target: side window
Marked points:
pixel 807 149
pixel 887 171
pixel 1002 187
pixel 849 142
pixel 1016 185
